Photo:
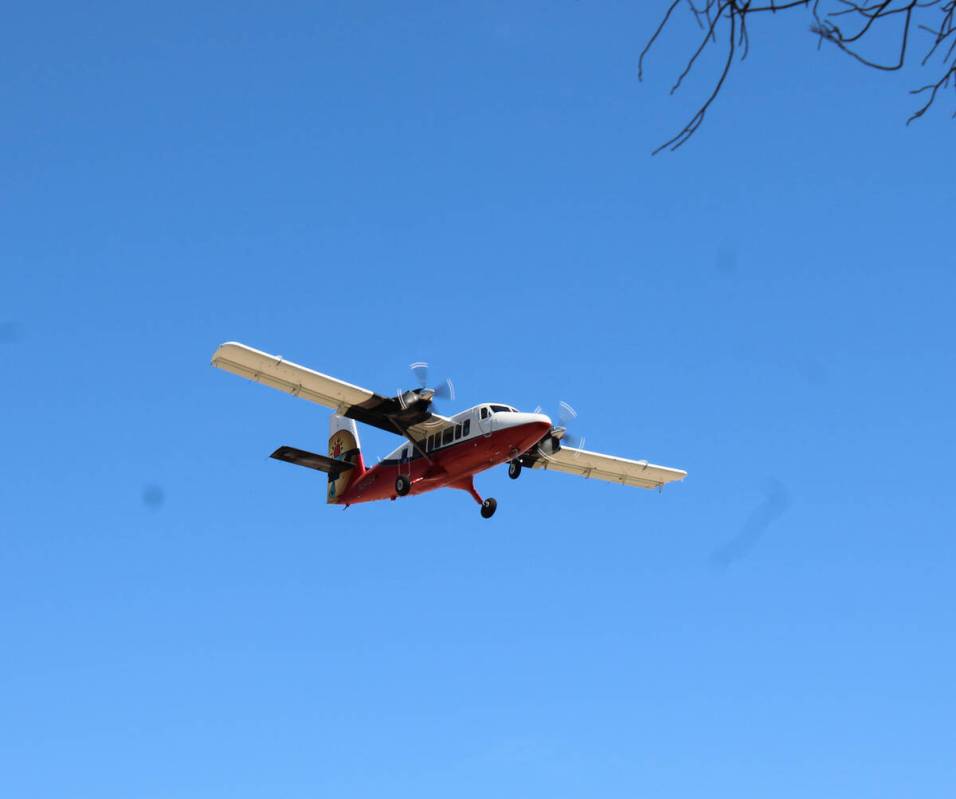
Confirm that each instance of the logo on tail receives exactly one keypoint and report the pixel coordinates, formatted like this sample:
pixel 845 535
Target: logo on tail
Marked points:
pixel 344 446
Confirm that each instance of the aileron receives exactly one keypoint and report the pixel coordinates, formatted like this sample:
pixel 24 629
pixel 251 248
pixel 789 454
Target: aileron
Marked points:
pixel 609 468
pixel 276 372
pixel 354 402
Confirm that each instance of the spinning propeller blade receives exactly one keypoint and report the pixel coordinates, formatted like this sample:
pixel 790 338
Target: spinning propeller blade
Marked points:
pixel 566 413
pixel 560 435
pixel 445 390
pixel 420 370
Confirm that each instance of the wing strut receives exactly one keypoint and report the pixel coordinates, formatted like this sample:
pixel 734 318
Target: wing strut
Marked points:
pixel 402 431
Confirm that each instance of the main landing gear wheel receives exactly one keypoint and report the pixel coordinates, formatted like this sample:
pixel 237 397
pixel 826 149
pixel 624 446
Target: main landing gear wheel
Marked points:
pixel 488 508
pixel 402 485
pixel 514 469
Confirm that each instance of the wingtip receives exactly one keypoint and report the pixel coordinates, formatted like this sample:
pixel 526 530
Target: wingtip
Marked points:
pixel 225 345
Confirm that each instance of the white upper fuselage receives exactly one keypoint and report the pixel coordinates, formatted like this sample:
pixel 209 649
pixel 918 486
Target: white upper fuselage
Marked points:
pixel 480 420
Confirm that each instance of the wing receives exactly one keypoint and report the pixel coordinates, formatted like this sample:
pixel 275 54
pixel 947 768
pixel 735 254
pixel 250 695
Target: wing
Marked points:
pixel 608 467
pixel 410 419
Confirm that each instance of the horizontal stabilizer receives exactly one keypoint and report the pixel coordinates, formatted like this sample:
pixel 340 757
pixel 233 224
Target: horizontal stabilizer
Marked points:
pixel 311 460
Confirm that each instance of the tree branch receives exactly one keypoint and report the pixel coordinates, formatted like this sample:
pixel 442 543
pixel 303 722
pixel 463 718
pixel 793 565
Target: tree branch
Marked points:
pixel 725 21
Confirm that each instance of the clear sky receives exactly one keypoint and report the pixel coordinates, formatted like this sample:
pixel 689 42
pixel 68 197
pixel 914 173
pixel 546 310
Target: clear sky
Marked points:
pixel 357 186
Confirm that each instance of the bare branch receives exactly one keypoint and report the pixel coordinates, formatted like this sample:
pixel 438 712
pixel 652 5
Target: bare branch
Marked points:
pixel 698 118
pixel 933 90
pixel 723 23
pixel 650 42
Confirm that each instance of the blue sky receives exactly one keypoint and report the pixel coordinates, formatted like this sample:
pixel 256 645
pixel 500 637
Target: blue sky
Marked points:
pixel 358 186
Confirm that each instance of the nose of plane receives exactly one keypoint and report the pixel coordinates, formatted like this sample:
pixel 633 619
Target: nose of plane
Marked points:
pixel 539 420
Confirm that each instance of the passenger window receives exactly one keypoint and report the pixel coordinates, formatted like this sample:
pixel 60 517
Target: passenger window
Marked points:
pixel 466 428
pixel 457 431
pixel 448 435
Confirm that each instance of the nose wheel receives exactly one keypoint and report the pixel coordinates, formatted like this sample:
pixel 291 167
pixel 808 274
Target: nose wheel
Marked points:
pixel 488 508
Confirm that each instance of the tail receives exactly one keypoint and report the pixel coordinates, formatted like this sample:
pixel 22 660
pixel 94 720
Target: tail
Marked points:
pixel 344 445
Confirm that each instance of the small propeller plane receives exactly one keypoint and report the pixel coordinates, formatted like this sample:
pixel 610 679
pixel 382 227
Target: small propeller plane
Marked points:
pixel 439 451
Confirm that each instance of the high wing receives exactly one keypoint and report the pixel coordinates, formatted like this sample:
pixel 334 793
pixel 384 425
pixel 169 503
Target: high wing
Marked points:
pixel 411 419
pixel 608 467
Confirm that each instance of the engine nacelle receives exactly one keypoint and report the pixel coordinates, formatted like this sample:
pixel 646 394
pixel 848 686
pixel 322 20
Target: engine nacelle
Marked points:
pixel 549 445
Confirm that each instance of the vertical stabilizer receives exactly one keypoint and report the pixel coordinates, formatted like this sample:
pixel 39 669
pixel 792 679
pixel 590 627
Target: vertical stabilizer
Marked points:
pixel 344 445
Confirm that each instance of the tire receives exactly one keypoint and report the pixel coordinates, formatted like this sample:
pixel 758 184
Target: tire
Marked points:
pixel 514 470
pixel 488 508
pixel 402 485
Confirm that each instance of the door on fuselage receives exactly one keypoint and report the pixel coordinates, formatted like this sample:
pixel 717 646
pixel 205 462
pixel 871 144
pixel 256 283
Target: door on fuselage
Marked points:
pixel 483 417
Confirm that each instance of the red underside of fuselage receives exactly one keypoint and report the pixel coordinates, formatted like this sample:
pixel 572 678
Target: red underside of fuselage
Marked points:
pixel 452 466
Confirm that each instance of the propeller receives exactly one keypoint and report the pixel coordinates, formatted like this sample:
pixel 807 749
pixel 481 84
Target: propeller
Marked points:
pixel 560 434
pixel 566 416
pixel 444 390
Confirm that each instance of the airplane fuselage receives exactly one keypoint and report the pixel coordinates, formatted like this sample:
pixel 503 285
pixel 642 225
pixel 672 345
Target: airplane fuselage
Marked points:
pixel 476 439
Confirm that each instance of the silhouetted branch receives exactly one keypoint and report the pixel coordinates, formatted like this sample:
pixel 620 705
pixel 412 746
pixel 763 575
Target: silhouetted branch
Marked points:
pixel 843 23
pixel 695 123
pixel 933 89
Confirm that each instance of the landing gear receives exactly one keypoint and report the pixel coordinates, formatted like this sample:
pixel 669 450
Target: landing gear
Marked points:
pixel 514 469
pixel 402 485
pixel 488 508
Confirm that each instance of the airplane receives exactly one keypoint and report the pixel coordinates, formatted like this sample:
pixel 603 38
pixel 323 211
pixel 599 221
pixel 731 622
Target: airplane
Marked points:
pixel 439 451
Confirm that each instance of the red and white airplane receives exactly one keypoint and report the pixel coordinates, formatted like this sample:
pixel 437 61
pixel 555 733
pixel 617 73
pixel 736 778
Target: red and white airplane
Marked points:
pixel 439 451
